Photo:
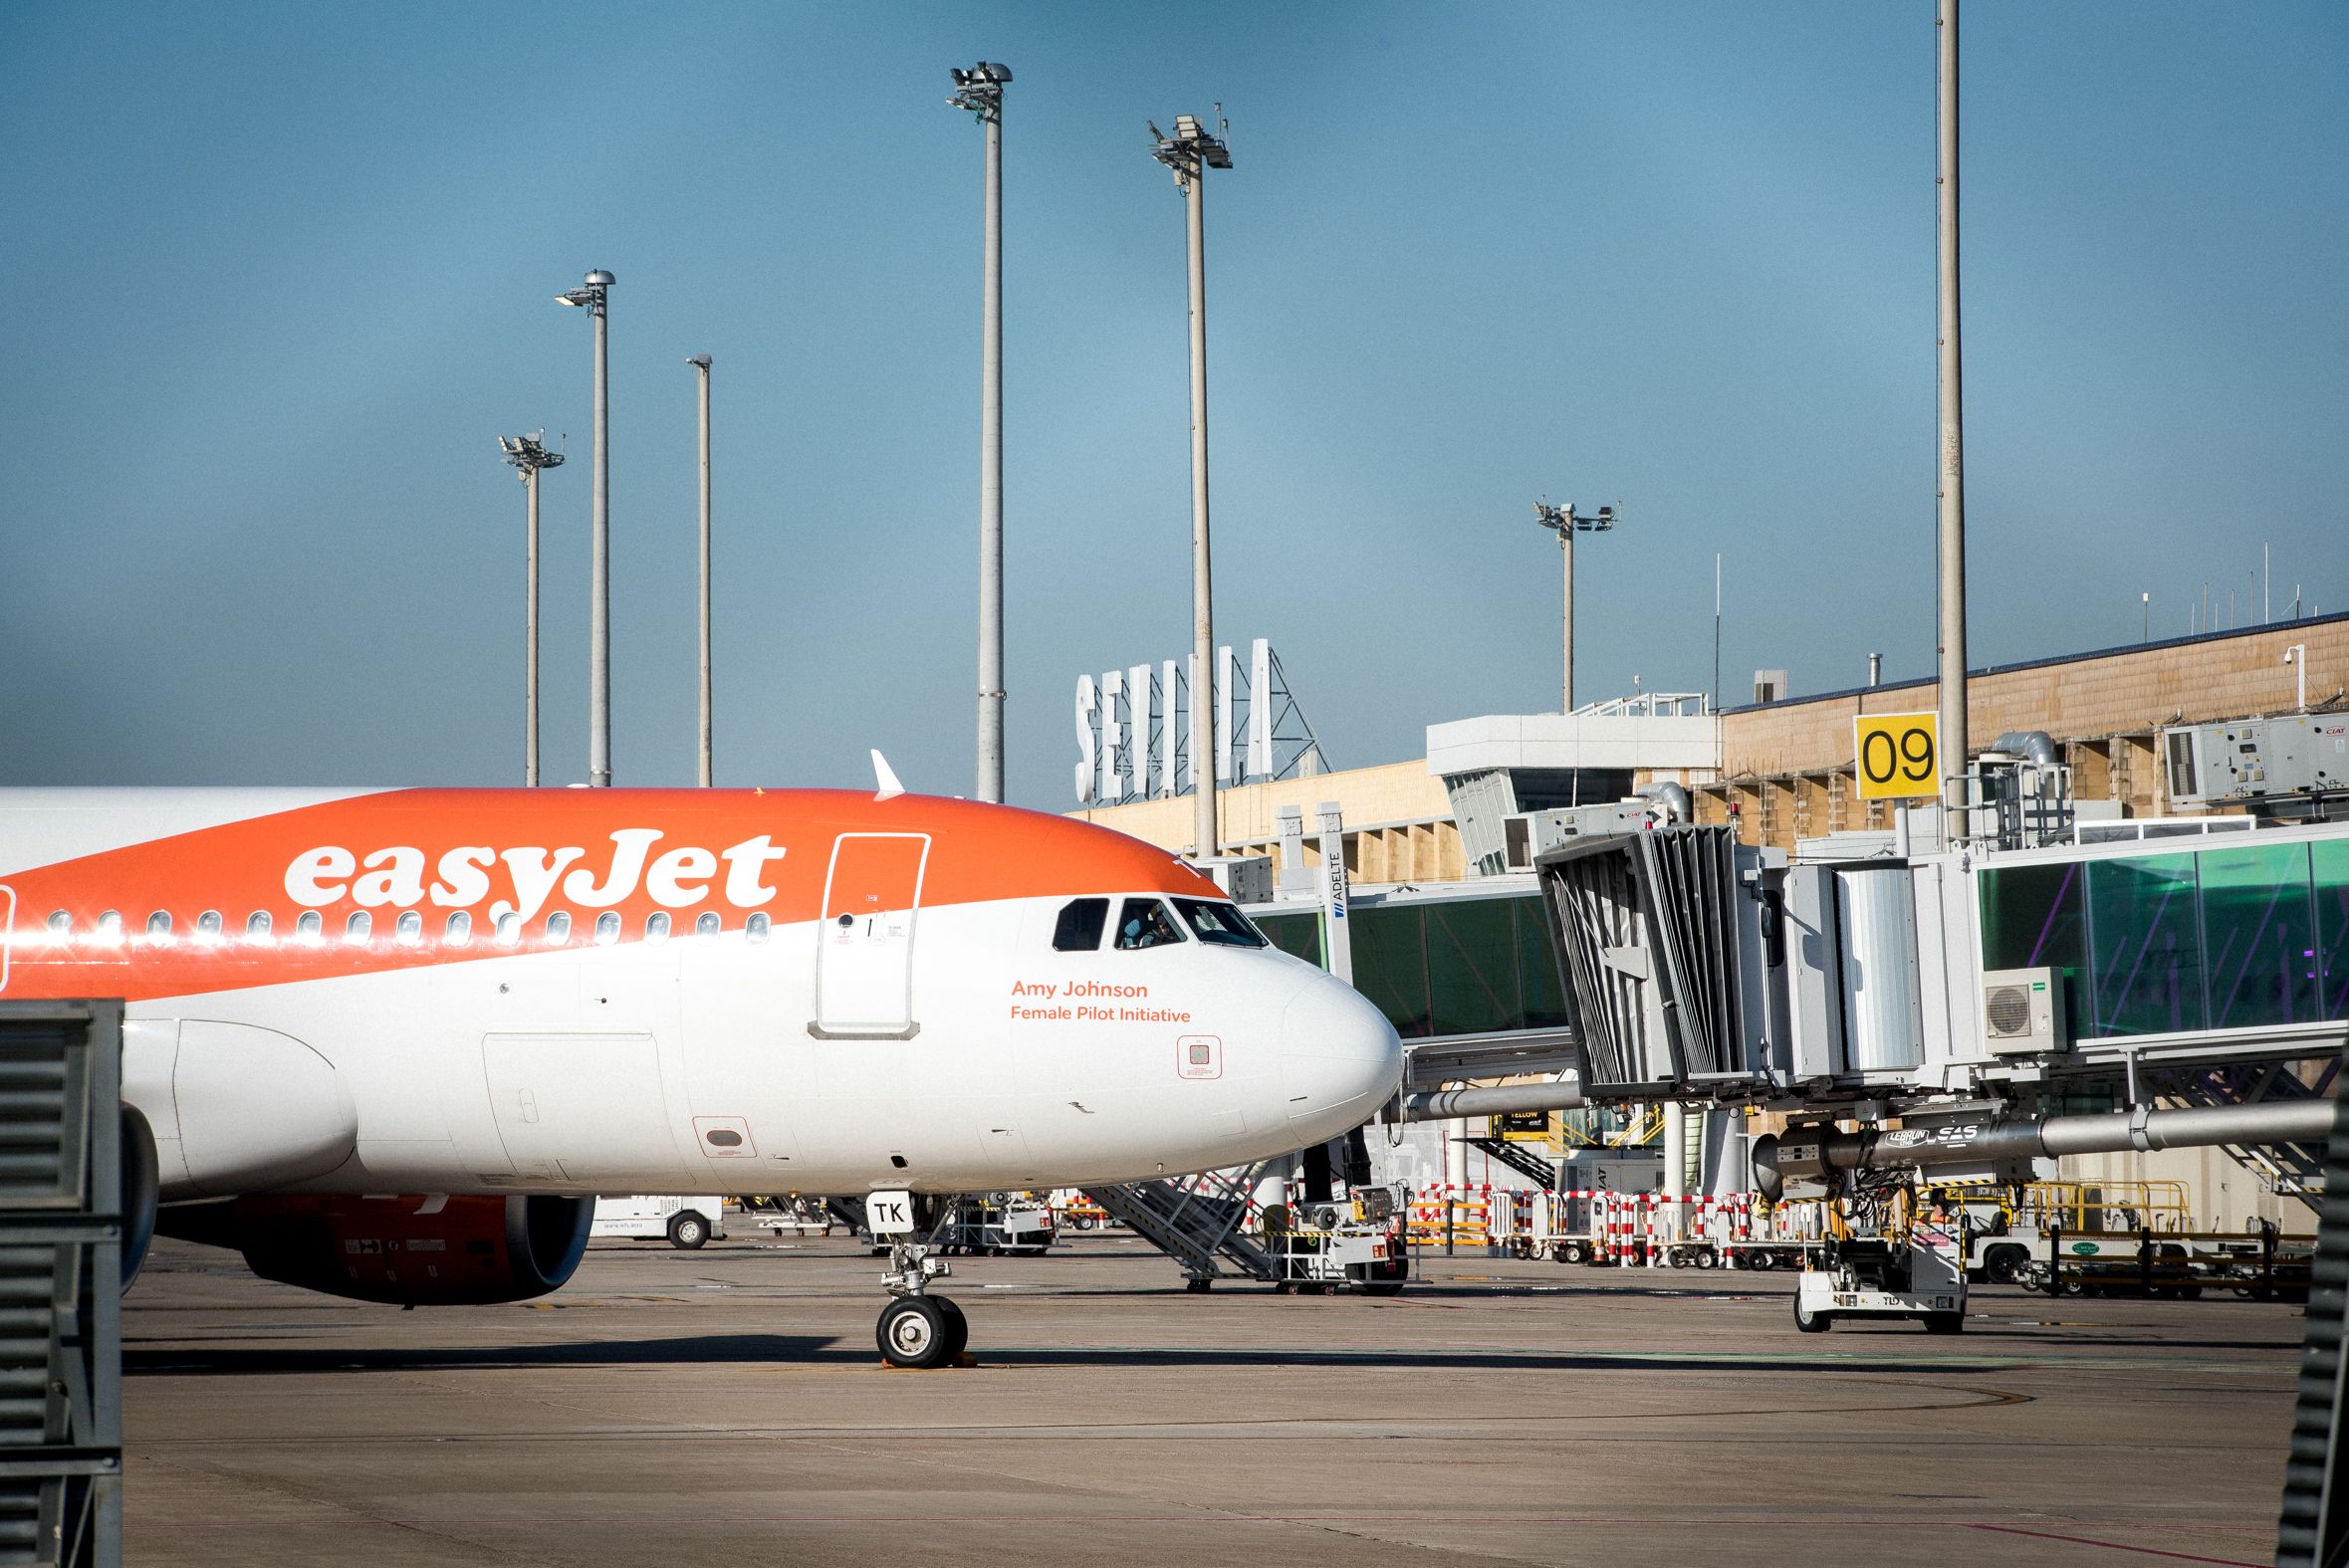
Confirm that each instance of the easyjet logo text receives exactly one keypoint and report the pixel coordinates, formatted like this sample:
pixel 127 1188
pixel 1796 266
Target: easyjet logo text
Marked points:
pixel 524 879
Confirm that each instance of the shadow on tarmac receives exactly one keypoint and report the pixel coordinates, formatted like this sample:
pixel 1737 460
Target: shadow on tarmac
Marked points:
pixel 700 1349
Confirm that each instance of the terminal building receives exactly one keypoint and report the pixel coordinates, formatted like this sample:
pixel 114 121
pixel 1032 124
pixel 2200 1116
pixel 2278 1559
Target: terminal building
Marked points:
pixel 1447 935
pixel 1784 769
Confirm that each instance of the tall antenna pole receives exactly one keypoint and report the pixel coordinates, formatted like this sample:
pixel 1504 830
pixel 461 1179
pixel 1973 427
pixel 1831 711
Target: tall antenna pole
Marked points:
pixel 980 90
pixel 1190 152
pixel 1952 454
pixel 701 366
pixel 1716 630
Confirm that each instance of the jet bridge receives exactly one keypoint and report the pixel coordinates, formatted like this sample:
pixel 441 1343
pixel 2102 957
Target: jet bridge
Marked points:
pixel 1697 968
pixel 2176 968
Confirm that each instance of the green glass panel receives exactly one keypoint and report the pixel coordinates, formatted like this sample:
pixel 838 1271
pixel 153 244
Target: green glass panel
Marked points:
pixel 1472 967
pixel 1296 934
pixel 2147 970
pixel 2330 862
pixel 2032 917
pixel 1543 1000
pixel 2258 934
pixel 1390 964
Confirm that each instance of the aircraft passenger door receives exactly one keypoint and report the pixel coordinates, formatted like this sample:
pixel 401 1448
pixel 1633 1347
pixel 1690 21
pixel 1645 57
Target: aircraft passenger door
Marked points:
pixel 864 946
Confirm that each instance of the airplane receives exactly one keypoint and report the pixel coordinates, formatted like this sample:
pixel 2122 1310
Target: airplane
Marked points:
pixel 390 1043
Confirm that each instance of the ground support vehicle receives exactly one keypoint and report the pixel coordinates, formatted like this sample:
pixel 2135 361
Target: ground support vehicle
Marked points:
pixel 685 1222
pixel 1312 1263
pixel 1077 1211
pixel 997 1225
pixel 1724 1231
pixel 1320 1247
pixel 2012 1229
pixel 2260 1264
pixel 794 1214
pixel 1761 1255
pixel 1918 1276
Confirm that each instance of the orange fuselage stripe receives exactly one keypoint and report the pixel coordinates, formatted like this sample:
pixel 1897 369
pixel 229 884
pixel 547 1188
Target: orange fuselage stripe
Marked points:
pixel 532 851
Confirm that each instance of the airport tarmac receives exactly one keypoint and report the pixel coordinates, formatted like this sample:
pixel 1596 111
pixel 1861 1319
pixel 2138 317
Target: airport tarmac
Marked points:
pixel 727 1406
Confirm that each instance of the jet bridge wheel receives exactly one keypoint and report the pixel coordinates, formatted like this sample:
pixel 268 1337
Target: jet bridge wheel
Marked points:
pixel 921 1332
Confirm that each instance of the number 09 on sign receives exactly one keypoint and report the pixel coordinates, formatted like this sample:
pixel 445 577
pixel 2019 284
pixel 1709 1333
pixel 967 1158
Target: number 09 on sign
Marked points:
pixel 1898 754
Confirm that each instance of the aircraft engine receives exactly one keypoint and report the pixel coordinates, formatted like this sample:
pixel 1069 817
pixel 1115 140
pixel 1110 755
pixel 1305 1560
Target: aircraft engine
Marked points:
pixel 140 1191
pixel 409 1251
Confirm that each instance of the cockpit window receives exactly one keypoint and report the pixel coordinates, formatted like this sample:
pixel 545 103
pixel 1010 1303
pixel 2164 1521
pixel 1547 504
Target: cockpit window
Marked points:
pixel 1144 923
pixel 1220 923
pixel 1080 930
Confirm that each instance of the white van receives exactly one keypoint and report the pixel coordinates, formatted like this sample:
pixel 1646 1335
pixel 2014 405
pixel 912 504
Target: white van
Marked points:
pixel 684 1222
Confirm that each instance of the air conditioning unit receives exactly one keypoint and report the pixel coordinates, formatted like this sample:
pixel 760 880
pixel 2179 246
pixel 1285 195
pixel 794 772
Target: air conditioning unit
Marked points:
pixel 2023 1011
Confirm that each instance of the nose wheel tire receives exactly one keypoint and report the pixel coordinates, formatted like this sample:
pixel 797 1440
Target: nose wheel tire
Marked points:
pixel 958 1328
pixel 916 1332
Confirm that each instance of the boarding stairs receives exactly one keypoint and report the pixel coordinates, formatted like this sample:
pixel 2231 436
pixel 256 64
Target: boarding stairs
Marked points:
pixel 1524 1158
pixel 2290 1170
pixel 1195 1223
pixel 849 1212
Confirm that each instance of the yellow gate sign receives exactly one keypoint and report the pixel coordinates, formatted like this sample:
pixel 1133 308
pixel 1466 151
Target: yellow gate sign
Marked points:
pixel 1898 754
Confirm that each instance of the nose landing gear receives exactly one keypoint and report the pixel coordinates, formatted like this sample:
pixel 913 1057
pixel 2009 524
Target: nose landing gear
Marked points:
pixel 916 1330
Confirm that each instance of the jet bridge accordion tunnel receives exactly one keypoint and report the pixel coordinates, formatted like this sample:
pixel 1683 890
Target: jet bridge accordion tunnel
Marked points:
pixel 1698 968
pixel 1663 938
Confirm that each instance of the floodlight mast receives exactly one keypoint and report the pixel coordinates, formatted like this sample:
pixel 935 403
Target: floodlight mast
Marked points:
pixel 593 294
pixel 1190 152
pixel 529 455
pixel 701 368
pixel 1565 523
pixel 979 90
pixel 1949 493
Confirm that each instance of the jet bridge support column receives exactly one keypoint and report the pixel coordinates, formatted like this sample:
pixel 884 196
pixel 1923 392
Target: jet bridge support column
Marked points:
pixel 1676 1168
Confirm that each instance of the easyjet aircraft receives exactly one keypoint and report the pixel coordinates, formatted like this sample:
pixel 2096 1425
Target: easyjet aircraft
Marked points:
pixel 502 1002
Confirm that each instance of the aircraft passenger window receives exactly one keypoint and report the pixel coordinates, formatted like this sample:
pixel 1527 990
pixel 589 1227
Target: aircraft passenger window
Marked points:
pixel 657 927
pixel 109 928
pixel 309 925
pixel 257 925
pixel 1080 930
pixel 208 926
pixel 358 928
pixel 707 924
pixel 61 926
pixel 457 931
pixel 559 926
pixel 607 928
pixel 1222 924
pixel 509 929
pixel 756 927
pixel 409 929
pixel 158 927
pixel 1144 923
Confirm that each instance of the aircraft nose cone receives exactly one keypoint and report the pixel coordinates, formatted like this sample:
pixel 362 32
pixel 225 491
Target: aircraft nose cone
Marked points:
pixel 1339 1059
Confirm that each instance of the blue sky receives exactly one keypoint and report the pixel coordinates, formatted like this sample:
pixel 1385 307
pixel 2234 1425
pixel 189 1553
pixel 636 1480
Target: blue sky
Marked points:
pixel 275 276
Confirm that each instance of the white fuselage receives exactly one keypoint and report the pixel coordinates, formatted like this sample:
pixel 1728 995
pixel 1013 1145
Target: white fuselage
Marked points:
pixel 946 1047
